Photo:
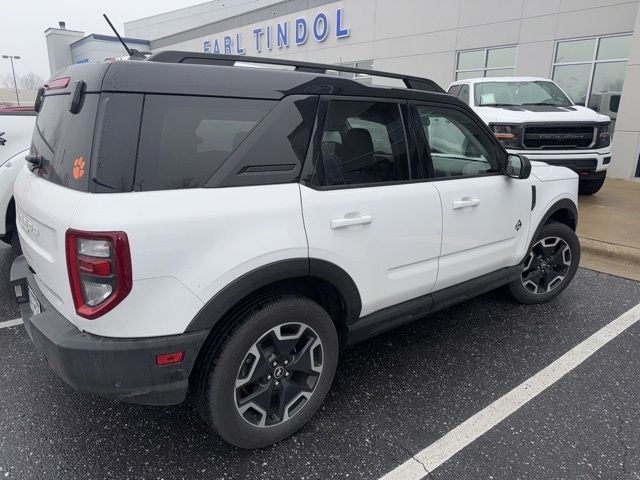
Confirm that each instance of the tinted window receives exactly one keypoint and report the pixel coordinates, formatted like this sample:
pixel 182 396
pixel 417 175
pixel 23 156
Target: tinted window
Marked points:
pixel 458 146
pixel 116 142
pixel 64 140
pixel 275 150
pixel 363 143
pixel 184 140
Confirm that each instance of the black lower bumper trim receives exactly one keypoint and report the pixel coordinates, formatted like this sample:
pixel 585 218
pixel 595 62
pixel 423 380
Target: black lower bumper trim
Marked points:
pixel 118 368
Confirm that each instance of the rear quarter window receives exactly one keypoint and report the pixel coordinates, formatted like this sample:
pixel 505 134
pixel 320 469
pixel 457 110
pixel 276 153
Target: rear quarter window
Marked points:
pixel 185 140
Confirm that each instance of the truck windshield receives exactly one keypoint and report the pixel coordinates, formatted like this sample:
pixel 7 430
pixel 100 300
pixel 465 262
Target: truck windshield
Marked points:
pixel 500 94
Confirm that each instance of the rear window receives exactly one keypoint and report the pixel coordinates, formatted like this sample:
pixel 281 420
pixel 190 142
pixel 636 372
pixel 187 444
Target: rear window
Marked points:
pixel 184 140
pixel 64 140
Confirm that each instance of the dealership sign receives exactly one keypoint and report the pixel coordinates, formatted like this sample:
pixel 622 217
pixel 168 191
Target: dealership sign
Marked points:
pixel 282 34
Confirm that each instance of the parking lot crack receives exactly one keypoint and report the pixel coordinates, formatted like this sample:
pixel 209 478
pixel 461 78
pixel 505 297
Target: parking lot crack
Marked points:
pixel 620 425
pixel 413 457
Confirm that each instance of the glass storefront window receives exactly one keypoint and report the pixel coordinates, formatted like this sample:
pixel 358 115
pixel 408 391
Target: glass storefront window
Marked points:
pixel 574 80
pixel 490 62
pixel 471 60
pixel 591 71
pixel 469 74
pixel 503 72
pixel 575 51
pixel 501 57
pixel 614 48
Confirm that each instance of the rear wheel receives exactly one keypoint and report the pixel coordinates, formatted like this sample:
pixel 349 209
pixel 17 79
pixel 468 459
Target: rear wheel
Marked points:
pixel 550 265
pixel 590 187
pixel 15 244
pixel 271 373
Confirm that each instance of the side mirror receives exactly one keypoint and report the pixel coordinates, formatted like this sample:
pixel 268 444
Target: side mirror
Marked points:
pixel 517 166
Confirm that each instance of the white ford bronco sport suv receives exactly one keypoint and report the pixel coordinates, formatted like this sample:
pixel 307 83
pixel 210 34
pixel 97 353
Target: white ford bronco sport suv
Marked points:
pixel 16 128
pixel 191 224
pixel 534 117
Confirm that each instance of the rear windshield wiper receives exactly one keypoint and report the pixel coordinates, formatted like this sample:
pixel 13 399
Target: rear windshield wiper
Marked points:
pixel 36 161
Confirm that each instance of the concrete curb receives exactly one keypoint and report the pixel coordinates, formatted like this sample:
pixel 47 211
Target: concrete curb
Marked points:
pixel 621 252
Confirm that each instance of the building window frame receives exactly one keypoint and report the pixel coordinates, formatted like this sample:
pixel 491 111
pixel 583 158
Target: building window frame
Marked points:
pixel 484 69
pixel 593 61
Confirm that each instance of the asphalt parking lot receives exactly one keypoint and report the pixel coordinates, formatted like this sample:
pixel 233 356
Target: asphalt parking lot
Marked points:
pixel 393 396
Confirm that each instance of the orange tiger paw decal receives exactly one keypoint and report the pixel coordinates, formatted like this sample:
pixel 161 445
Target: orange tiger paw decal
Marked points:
pixel 78 168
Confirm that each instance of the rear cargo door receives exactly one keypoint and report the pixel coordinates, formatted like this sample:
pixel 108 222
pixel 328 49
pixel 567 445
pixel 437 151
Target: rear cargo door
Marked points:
pixel 47 197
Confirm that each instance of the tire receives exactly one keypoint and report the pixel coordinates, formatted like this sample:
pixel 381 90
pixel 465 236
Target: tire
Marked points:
pixel 590 187
pixel 549 266
pixel 242 392
pixel 15 244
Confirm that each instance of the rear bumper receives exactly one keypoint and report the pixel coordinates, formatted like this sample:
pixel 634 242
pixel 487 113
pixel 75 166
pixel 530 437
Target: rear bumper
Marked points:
pixel 118 368
pixel 588 164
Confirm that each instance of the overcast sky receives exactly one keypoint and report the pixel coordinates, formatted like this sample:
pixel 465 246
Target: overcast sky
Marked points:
pixel 24 23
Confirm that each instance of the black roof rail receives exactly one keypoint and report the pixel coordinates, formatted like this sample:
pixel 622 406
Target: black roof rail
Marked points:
pixel 174 56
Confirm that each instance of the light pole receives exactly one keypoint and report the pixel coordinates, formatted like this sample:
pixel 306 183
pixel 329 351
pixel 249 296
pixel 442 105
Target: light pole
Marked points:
pixel 15 82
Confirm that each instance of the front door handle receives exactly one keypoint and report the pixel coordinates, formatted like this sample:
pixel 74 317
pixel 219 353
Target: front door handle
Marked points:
pixel 466 202
pixel 349 221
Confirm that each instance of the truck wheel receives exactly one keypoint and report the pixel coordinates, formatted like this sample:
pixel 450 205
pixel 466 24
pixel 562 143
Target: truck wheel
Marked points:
pixel 271 373
pixel 590 187
pixel 550 265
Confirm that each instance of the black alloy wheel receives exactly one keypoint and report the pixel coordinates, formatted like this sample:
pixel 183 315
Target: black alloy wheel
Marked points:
pixel 547 266
pixel 279 374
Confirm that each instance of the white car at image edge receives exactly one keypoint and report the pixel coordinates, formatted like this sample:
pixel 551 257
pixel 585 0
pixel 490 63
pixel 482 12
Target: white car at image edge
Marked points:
pixel 534 117
pixel 16 128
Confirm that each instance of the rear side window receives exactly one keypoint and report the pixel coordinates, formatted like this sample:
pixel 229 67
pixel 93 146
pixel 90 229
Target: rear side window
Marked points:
pixel 64 140
pixel 362 143
pixel 184 140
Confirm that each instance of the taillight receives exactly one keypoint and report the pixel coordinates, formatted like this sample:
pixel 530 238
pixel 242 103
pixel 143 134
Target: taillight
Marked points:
pixel 99 265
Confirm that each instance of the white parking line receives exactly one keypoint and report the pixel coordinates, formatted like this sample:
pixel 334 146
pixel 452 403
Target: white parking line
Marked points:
pixel 10 323
pixel 451 443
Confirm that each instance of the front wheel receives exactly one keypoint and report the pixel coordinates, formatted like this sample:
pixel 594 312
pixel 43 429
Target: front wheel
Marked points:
pixel 550 265
pixel 271 373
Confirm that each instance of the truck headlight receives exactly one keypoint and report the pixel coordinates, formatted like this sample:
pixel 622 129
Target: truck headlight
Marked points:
pixel 507 134
pixel 604 135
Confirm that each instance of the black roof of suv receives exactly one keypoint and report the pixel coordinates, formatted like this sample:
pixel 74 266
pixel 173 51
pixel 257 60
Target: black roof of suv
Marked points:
pixel 189 73
pixel 109 118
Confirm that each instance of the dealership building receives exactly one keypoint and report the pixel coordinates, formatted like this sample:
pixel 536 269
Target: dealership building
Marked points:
pixel 591 48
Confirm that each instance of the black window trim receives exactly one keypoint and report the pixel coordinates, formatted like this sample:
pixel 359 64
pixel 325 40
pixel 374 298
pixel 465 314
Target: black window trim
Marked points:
pixel 498 150
pixel 309 167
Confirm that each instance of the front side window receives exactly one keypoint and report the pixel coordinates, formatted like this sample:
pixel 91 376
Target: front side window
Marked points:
pixel 500 94
pixel 458 147
pixel 184 140
pixel 487 62
pixel 362 143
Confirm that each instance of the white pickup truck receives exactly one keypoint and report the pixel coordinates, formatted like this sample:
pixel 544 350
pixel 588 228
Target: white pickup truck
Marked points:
pixel 534 117
pixel 16 128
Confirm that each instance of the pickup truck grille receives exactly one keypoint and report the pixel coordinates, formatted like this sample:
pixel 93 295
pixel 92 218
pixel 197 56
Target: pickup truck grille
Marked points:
pixel 560 137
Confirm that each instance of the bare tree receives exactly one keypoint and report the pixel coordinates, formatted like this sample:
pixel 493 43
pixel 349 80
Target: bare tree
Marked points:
pixel 30 81
pixel 7 81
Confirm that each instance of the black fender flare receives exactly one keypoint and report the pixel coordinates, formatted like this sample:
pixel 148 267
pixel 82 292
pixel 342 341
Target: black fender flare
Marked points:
pixel 223 301
pixel 563 204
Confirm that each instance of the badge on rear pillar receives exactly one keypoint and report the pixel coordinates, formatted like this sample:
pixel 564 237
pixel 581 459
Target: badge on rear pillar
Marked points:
pixel 518 226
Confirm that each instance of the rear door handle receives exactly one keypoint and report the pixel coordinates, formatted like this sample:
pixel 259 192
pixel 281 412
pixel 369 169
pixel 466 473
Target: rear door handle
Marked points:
pixel 466 202
pixel 349 221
